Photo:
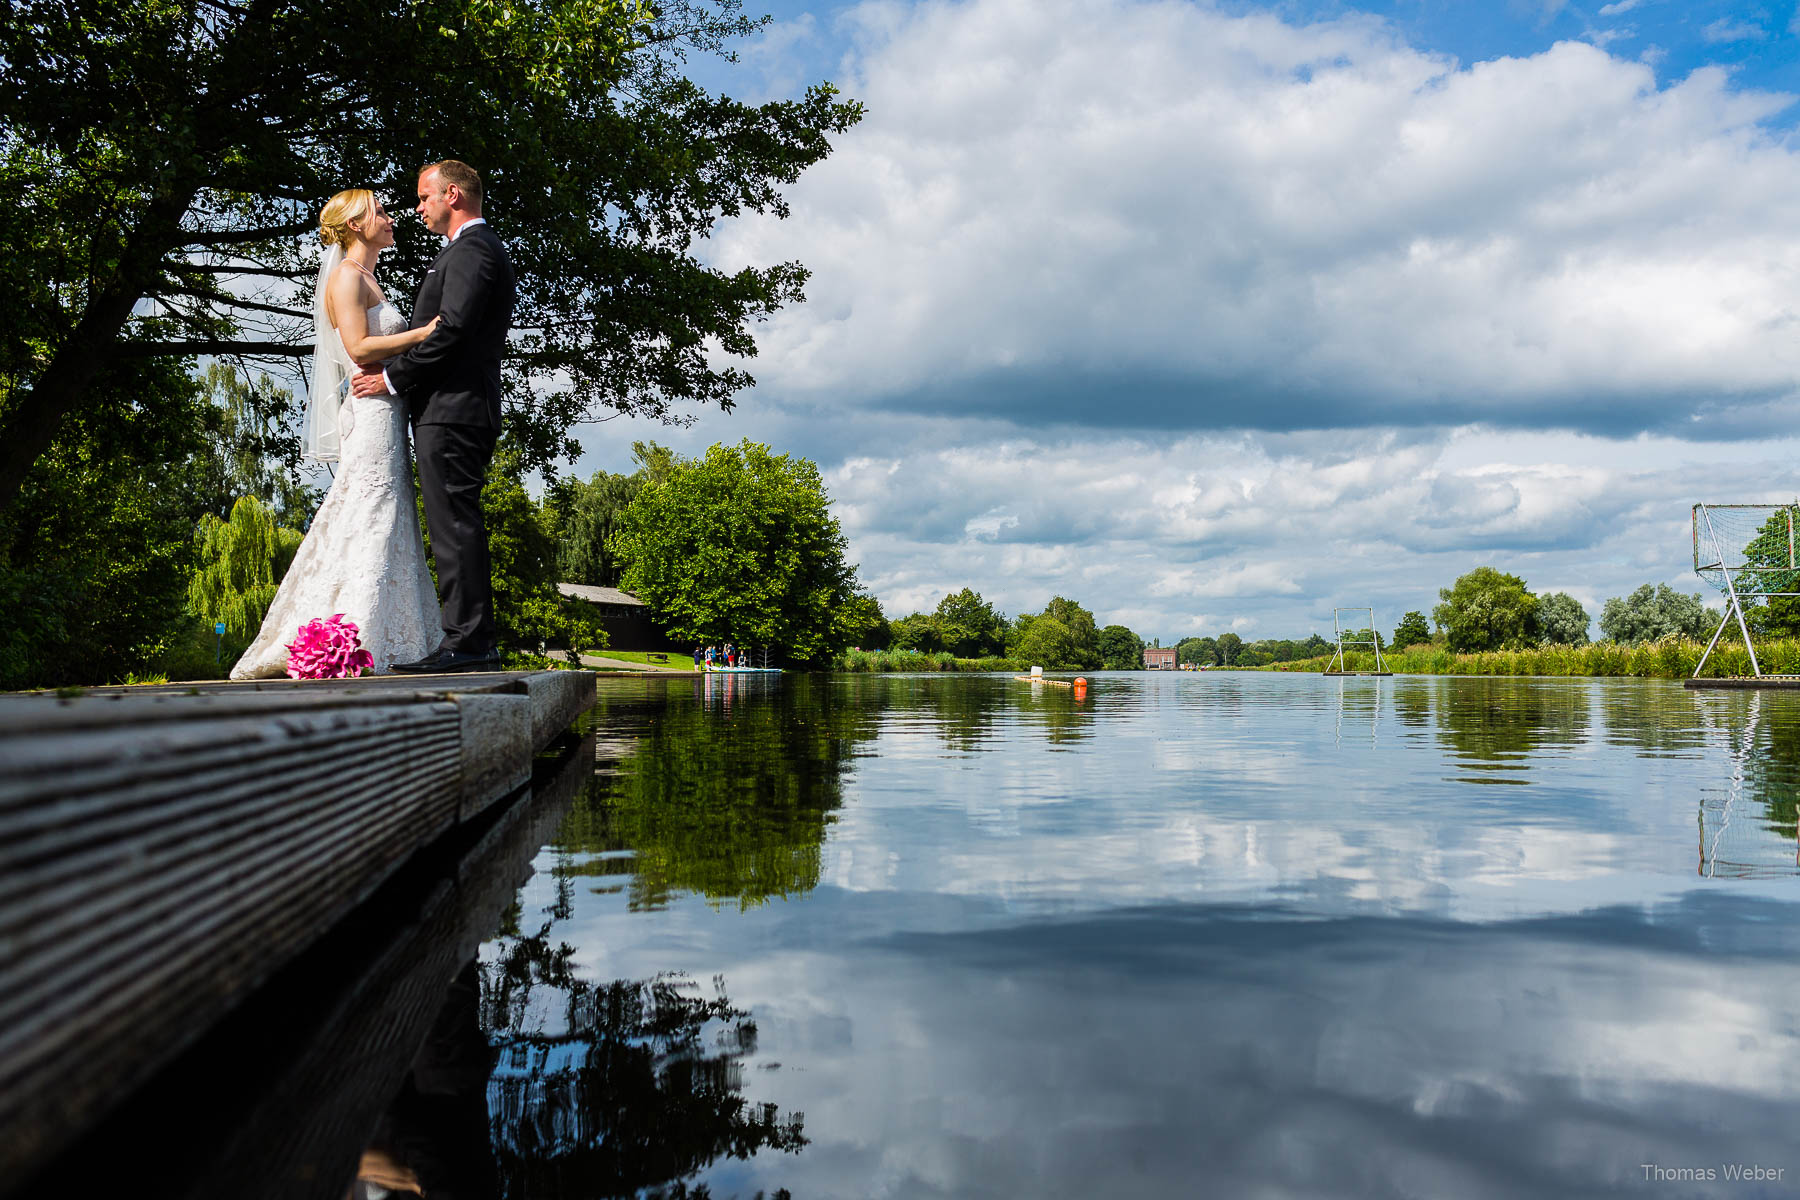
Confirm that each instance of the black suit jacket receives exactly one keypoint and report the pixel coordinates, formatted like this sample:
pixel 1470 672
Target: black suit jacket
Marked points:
pixel 453 376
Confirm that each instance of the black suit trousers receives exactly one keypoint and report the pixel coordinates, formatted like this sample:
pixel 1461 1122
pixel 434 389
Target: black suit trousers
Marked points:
pixel 453 463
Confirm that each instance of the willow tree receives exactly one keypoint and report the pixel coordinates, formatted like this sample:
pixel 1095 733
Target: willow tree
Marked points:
pixel 163 161
pixel 242 561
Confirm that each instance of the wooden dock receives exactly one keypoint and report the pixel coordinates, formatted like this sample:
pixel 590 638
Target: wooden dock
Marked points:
pixel 164 851
pixel 1760 682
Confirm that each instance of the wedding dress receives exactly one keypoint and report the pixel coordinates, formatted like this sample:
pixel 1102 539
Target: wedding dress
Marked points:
pixel 363 555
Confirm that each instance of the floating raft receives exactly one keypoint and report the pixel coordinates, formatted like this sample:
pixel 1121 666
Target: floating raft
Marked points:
pixel 1068 683
pixel 1771 682
pixel 1339 674
pixel 743 670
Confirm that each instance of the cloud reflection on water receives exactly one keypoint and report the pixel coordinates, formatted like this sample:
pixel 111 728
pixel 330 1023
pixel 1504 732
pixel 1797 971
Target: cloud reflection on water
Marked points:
pixel 1243 935
pixel 1263 1050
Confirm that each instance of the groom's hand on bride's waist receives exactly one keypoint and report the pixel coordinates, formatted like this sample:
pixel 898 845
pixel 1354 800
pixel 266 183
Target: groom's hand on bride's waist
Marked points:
pixel 370 381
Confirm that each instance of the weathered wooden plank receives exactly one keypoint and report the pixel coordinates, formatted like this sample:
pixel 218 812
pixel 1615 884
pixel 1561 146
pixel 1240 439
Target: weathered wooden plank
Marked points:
pixel 163 851
pixel 289 1087
pixel 158 920
pixel 355 1066
pixel 1747 682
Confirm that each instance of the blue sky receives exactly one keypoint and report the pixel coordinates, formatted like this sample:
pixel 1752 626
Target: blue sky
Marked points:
pixel 1216 316
pixel 1755 42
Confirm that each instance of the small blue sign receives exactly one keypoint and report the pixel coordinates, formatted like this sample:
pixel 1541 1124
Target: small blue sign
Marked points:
pixel 219 629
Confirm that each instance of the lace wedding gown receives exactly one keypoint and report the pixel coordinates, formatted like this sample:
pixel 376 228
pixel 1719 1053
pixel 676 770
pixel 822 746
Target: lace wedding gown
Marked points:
pixel 363 556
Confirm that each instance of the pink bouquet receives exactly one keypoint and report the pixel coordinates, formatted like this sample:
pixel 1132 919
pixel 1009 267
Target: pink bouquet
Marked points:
pixel 328 649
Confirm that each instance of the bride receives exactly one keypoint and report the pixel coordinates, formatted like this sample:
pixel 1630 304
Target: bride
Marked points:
pixel 362 556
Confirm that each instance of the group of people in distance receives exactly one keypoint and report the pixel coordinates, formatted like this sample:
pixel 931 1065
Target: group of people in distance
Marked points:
pixel 720 656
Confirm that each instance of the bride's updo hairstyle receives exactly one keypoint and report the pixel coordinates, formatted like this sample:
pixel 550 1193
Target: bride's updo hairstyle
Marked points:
pixel 354 204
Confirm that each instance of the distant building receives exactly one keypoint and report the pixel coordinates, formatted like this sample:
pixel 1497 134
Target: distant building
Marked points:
pixel 1159 658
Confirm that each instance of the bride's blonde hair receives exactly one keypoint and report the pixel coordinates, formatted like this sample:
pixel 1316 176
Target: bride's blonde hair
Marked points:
pixel 352 204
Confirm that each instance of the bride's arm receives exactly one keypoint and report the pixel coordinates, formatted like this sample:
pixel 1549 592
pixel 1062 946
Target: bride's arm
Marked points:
pixel 369 348
pixel 348 296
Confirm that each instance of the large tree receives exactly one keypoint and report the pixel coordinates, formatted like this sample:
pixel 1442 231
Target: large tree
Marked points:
pixel 1562 620
pixel 161 165
pixel 1772 551
pixel 969 626
pixel 1411 631
pixel 1047 642
pixel 741 546
pixel 920 631
pixel 1121 649
pixel 529 612
pixel 1073 620
pixel 1653 612
pixel 583 518
pixel 1487 609
pixel 95 555
pixel 1201 651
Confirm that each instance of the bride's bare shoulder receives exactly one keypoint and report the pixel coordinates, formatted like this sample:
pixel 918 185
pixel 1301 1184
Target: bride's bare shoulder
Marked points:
pixel 346 291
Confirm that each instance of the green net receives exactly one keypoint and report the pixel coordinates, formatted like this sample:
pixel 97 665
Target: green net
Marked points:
pixel 1748 548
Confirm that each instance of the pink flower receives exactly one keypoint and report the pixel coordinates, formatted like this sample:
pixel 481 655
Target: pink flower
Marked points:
pixel 328 649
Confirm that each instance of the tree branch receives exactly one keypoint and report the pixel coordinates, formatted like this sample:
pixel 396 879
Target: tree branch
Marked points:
pixel 230 237
pixel 231 301
pixel 184 349
pixel 226 269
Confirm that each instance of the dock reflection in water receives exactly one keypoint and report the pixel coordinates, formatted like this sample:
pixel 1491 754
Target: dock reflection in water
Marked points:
pixel 1232 934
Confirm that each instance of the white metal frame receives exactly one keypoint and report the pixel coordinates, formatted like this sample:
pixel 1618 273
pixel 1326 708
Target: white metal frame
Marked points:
pixel 1731 576
pixel 1374 639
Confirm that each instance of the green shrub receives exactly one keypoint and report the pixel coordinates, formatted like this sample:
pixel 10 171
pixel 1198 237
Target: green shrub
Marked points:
pixel 875 661
pixel 1671 657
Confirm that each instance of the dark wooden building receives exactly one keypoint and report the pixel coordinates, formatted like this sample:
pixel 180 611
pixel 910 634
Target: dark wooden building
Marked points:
pixel 625 618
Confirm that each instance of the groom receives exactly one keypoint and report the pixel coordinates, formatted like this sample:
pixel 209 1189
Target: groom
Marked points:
pixel 451 382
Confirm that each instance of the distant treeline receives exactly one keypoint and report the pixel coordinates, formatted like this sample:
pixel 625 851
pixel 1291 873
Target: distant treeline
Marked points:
pixel 1671 657
pixel 1484 613
pixel 1230 650
pixel 1488 612
pixel 966 633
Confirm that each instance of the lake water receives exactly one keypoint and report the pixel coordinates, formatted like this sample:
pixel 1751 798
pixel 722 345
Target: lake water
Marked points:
pixel 1191 934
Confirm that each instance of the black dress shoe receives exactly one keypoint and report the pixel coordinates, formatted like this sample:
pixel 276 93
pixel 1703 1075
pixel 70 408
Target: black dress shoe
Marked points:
pixel 445 662
pixel 472 660
pixel 430 664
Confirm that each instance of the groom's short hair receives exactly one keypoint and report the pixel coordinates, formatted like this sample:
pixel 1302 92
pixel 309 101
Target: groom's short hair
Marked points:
pixel 461 174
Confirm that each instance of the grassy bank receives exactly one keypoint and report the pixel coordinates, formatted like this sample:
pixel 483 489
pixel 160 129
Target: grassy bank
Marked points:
pixel 870 661
pixel 1670 658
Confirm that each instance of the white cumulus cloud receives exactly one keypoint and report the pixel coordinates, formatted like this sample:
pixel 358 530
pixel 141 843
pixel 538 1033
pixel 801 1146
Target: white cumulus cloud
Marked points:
pixel 1728 29
pixel 1158 215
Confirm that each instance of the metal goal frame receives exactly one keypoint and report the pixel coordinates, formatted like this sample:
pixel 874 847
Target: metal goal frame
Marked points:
pixel 1339 629
pixel 1721 564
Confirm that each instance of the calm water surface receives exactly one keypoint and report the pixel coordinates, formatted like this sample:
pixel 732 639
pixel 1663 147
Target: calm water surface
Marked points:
pixel 1226 934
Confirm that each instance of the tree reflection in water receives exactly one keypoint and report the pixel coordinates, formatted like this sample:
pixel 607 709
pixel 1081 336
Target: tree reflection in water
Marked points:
pixel 1064 716
pixel 634 1087
pixel 728 797
pixel 1498 728
pixel 639 1090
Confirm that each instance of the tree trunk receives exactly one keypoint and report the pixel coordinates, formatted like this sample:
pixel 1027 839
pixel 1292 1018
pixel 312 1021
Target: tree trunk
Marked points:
pixel 91 346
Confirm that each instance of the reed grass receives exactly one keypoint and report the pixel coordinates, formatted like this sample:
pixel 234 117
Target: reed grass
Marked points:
pixel 872 661
pixel 1666 658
